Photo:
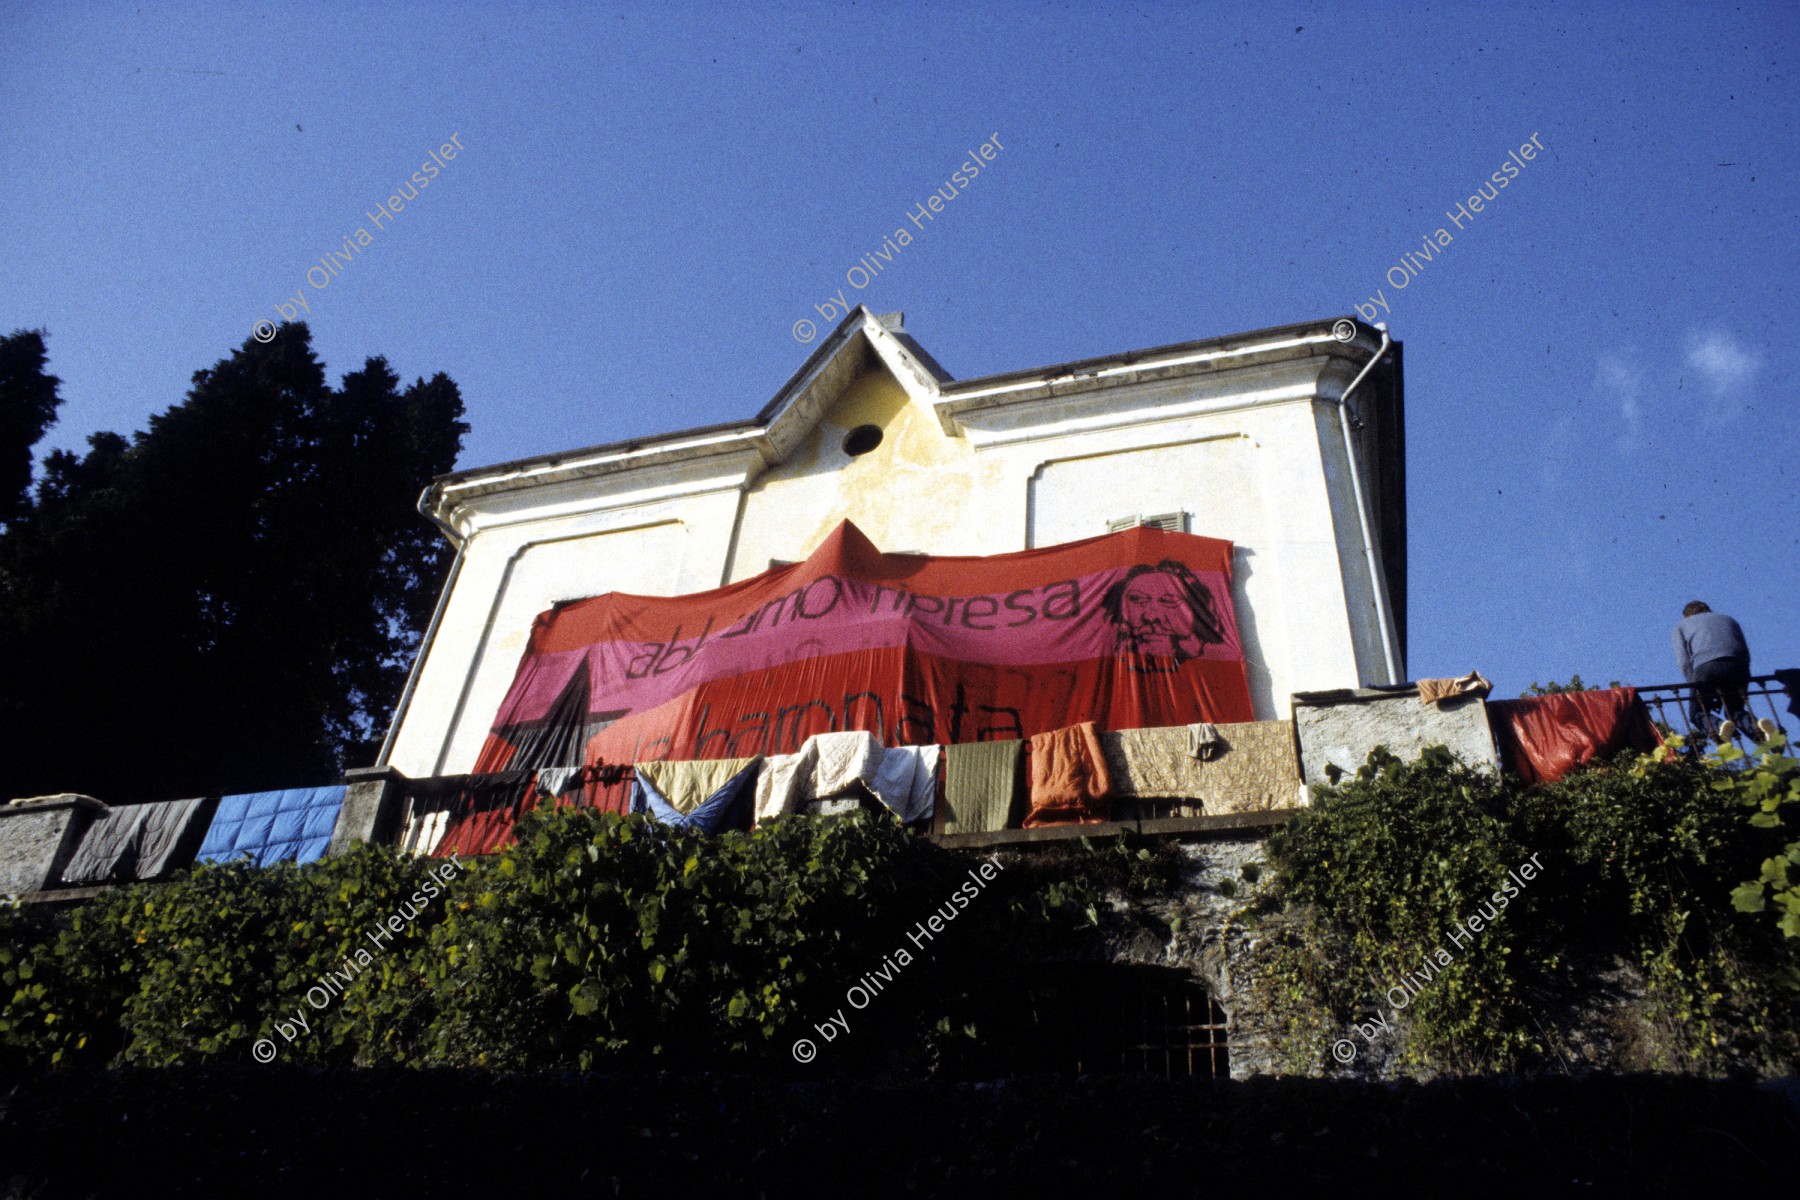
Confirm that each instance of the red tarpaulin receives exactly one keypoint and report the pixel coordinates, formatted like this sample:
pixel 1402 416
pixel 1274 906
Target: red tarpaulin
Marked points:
pixel 1543 738
pixel 1128 630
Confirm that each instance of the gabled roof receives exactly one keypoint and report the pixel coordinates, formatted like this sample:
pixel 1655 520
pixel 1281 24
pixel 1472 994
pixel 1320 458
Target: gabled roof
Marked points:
pixel 860 338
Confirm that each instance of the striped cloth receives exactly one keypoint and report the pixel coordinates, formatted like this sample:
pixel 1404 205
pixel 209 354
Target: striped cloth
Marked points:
pixel 980 779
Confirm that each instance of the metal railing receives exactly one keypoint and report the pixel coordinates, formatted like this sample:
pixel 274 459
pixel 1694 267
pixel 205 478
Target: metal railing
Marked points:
pixel 1675 706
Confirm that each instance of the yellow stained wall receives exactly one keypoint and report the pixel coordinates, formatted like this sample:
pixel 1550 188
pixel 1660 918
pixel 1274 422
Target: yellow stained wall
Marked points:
pixel 909 493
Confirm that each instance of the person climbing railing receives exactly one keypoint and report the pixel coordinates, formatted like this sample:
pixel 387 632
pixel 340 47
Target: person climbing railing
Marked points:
pixel 1772 700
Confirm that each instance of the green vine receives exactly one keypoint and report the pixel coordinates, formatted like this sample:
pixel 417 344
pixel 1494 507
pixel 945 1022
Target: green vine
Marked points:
pixel 1637 862
pixel 594 940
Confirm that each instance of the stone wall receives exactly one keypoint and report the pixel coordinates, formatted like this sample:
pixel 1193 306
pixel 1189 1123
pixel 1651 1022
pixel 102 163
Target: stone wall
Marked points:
pixel 1339 729
pixel 37 838
pixel 1197 929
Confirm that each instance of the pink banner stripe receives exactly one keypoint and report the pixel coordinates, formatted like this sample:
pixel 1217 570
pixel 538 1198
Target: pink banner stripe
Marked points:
pixel 1067 621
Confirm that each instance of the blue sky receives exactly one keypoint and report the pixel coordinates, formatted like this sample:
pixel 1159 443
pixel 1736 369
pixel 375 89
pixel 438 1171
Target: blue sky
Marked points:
pixel 1600 420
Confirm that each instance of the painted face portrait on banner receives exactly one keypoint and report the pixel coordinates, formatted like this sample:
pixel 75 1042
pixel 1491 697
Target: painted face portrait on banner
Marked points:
pixel 1163 611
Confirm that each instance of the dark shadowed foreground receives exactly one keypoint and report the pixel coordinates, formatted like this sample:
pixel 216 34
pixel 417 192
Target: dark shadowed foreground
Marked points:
pixel 281 1131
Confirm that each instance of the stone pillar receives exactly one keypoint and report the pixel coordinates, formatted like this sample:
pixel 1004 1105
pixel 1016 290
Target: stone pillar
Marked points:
pixel 1339 729
pixel 38 836
pixel 373 799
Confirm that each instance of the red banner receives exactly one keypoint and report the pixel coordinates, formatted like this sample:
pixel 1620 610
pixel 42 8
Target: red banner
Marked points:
pixel 1129 630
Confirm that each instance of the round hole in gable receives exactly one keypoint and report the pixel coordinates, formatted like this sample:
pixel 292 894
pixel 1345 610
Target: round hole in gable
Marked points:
pixel 861 440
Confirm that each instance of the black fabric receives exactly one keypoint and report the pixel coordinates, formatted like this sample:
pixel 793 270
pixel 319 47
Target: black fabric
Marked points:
pixel 1790 680
pixel 1722 682
pixel 557 739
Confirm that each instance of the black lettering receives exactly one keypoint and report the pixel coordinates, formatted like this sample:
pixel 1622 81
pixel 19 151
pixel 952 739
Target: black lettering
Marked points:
pixel 781 603
pixel 996 732
pixel 917 713
pixel 1030 612
pixel 753 622
pixel 957 709
pixel 992 607
pixel 761 730
pixel 950 611
pixel 880 720
pixel 707 735
pixel 793 739
pixel 669 742
pixel 667 661
pixel 750 621
pixel 899 598
pixel 914 603
pixel 648 658
pixel 1071 596
pixel 837 593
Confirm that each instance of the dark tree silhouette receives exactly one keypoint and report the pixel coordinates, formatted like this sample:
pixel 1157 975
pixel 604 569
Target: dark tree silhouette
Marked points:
pixel 230 600
pixel 28 404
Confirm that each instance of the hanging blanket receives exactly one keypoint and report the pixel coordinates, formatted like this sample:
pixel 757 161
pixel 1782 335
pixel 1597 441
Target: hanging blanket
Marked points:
pixel 135 842
pixel 1069 777
pixel 980 781
pixel 1253 768
pixel 726 808
pixel 906 781
pixel 270 827
pixel 1543 738
pixel 687 785
pixel 827 766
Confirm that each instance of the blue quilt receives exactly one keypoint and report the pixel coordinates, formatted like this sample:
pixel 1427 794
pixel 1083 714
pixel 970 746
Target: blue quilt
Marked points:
pixel 271 827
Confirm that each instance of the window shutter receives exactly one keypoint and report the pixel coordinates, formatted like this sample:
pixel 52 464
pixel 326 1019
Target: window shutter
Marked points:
pixel 1174 522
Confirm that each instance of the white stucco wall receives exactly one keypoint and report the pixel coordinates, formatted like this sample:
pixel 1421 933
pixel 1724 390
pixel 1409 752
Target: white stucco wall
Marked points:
pixel 511 573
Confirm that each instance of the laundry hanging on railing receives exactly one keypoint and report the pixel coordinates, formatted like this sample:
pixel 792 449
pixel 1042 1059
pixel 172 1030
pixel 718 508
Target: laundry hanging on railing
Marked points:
pixel 906 781
pixel 1252 767
pixel 1130 629
pixel 294 825
pixel 826 766
pixel 727 807
pixel 475 814
pixel 687 785
pixel 481 812
pixel 834 771
pixel 1543 738
pixel 1070 781
pixel 981 781
pixel 137 842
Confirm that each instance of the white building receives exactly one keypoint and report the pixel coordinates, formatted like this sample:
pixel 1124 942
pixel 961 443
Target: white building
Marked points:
pixel 1242 437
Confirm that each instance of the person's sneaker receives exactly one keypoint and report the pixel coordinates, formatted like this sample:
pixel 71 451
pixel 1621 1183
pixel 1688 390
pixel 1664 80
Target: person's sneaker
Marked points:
pixel 1767 728
pixel 1727 730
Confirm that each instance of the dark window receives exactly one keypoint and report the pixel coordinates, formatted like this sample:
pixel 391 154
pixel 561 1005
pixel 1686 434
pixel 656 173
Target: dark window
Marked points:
pixel 862 439
pixel 1097 1020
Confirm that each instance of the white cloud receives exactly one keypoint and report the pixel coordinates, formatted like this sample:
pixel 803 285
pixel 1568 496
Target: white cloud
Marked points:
pixel 1724 364
pixel 1622 384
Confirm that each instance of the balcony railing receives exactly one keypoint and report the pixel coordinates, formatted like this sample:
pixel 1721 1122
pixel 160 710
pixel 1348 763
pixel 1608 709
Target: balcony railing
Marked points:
pixel 1674 707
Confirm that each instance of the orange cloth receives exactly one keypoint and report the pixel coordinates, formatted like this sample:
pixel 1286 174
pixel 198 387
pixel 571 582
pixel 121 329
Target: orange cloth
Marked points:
pixel 1438 690
pixel 1069 779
